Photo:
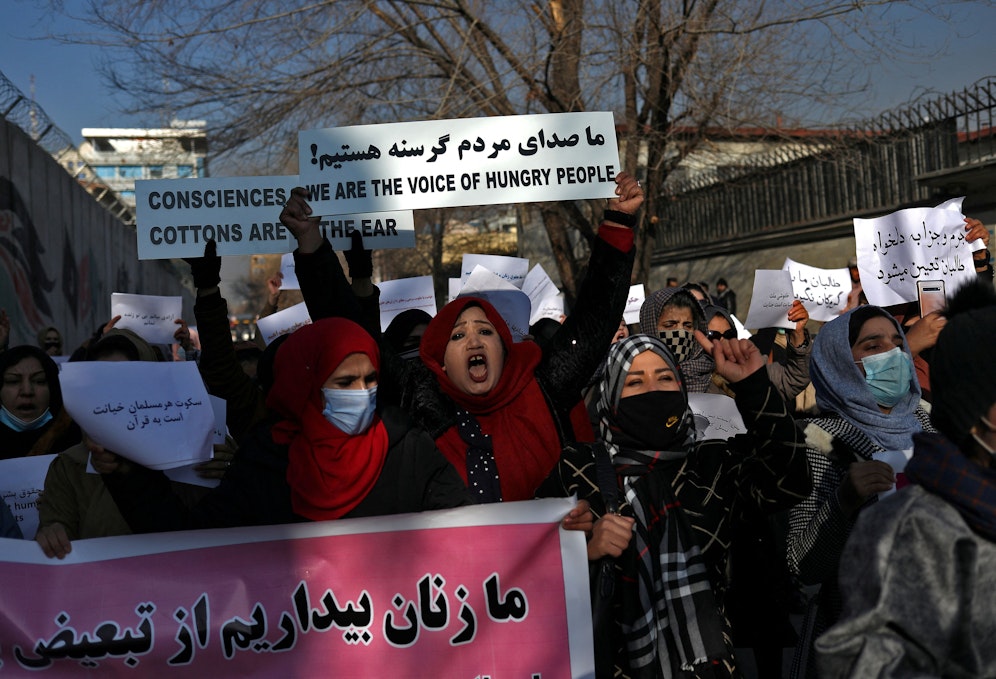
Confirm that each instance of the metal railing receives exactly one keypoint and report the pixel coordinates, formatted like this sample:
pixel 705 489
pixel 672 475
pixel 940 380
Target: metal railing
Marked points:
pixel 807 190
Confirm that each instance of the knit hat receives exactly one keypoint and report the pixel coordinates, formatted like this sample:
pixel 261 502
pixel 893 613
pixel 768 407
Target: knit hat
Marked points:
pixel 962 369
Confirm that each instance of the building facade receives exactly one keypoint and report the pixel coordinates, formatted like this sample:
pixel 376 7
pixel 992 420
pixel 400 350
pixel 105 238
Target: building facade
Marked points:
pixel 120 156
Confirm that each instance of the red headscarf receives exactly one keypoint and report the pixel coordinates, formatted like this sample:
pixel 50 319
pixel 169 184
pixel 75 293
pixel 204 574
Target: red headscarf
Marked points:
pixel 514 413
pixel 329 471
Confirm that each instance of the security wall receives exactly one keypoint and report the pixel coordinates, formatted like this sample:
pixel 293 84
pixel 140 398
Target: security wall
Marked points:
pixel 61 253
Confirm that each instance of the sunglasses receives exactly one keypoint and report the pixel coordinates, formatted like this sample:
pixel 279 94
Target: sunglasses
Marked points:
pixel 713 335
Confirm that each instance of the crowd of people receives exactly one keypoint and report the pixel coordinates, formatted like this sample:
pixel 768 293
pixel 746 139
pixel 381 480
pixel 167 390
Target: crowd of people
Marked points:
pixel 710 544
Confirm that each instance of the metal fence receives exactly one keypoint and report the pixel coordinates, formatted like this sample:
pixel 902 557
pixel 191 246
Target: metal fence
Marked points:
pixel 811 189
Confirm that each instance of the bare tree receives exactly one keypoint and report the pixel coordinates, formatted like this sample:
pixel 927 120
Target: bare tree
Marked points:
pixel 671 70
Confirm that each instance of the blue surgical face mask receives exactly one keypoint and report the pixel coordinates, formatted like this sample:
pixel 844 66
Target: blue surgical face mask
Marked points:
pixel 17 424
pixel 350 410
pixel 888 375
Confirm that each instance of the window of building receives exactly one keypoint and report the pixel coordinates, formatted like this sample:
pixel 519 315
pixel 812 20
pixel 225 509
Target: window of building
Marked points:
pixel 184 171
pixel 130 172
pixel 127 195
pixel 105 171
pixel 155 171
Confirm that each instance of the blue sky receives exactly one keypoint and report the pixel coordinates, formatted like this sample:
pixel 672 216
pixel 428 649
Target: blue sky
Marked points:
pixel 68 88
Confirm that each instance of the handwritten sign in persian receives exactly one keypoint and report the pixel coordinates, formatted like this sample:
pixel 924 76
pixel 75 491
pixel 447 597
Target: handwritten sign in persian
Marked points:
pixel 283 322
pixel 771 299
pixel 921 243
pixel 151 317
pixel 822 291
pixel 449 163
pixel 403 294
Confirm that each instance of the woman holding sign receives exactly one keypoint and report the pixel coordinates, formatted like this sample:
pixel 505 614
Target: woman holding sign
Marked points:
pixel 328 453
pixel 870 406
pixel 501 411
pixel 679 501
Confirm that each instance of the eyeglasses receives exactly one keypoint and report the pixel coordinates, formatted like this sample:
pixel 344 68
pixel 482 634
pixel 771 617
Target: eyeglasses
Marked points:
pixel 713 335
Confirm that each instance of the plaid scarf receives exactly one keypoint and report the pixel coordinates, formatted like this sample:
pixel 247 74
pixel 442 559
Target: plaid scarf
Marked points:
pixel 670 619
pixel 941 468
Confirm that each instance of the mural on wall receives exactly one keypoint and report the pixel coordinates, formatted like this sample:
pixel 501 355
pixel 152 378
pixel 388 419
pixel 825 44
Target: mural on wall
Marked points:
pixel 21 250
pixel 62 253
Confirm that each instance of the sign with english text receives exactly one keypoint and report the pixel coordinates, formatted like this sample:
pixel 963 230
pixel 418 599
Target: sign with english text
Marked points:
pixel 175 217
pixel 452 163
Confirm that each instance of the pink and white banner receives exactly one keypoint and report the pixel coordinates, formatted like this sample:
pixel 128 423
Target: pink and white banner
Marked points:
pixel 497 591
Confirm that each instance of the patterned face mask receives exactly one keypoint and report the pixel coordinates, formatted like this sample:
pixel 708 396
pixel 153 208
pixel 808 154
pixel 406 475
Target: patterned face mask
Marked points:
pixel 679 342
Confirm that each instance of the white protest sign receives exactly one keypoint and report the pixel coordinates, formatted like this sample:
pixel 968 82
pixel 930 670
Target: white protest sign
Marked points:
pixel 174 218
pixel 822 291
pixel 283 322
pixel 771 300
pixel 449 163
pixel 896 459
pixel 898 249
pixel 716 416
pixel 453 286
pixel 510 269
pixel 637 295
pixel 742 331
pixel 151 317
pixel 21 482
pixel 155 414
pixel 538 286
pixel 189 474
pixel 406 293
pixel 511 303
pixel 288 272
pixel 551 307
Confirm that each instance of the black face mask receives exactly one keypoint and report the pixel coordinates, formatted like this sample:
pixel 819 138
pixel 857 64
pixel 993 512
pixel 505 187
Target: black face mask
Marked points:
pixel 652 421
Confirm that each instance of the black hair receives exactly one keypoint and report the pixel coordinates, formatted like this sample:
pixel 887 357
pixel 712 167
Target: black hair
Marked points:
pixel 15 355
pixel 859 317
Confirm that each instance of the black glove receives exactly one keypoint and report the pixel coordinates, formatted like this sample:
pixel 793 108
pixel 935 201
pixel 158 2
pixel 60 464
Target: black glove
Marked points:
pixel 207 269
pixel 358 259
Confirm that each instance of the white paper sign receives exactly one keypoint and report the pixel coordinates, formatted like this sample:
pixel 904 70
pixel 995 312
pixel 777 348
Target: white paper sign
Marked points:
pixel 896 459
pixel 288 271
pixel 897 250
pixel 406 293
pixel 22 480
pixel 637 295
pixel 156 414
pixel 771 300
pixel 551 307
pixel 151 317
pixel 174 218
pixel 453 286
pixel 189 474
pixel 510 269
pixel 283 322
pixel 449 163
pixel 539 287
pixel 510 302
pixel 716 416
pixel 822 291
pixel 742 331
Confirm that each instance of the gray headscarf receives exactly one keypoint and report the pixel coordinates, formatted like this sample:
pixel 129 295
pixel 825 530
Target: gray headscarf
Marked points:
pixel 841 388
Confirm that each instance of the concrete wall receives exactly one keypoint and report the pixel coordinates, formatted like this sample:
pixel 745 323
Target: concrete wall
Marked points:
pixel 61 253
